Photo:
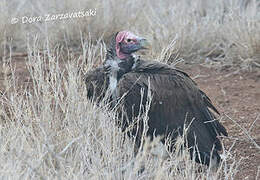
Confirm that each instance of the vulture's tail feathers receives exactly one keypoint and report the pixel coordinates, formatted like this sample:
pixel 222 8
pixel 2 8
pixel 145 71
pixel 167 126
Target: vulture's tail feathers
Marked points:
pixel 216 124
pixel 214 127
pixel 208 102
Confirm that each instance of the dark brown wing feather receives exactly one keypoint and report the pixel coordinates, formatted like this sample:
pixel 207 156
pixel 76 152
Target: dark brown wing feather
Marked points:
pixel 96 83
pixel 175 98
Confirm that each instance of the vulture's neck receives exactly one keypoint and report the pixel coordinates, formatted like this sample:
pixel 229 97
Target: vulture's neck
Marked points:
pixel 116 69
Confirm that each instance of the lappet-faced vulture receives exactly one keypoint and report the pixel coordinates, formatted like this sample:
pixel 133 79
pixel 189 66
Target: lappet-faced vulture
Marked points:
pixel 176 99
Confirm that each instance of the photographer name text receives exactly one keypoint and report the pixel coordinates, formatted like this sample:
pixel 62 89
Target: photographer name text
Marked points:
pixel 54 17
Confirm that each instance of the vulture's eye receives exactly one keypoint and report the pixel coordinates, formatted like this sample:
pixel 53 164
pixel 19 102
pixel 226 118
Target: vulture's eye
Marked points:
pixel 129 40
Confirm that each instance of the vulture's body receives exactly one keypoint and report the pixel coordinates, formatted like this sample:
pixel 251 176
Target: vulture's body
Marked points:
pixel 176 100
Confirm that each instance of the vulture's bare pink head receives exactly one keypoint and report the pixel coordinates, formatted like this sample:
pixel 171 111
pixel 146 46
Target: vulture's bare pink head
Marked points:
pixel 128 43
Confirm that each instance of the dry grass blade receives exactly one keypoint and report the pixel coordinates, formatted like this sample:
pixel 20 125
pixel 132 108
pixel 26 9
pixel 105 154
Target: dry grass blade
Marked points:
pixel 245 132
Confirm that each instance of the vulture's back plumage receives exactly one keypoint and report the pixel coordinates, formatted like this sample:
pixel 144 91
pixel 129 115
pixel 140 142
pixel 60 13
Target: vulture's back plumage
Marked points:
pixel 176 100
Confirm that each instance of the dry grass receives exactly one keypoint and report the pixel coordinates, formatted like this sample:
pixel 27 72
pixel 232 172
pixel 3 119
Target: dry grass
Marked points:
pixel 226 31
pixel 49 130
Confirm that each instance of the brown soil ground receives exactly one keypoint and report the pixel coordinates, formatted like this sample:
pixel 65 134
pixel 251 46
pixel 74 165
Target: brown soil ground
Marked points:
pixel 235 94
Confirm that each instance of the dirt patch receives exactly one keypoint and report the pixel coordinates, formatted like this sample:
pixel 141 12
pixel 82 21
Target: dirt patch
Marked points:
pixel 235 94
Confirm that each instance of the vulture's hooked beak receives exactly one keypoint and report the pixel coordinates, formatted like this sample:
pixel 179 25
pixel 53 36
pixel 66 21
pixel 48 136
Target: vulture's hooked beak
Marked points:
pixel 144 44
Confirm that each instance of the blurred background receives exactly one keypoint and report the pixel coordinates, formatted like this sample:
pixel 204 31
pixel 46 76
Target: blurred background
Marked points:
pixel 222 30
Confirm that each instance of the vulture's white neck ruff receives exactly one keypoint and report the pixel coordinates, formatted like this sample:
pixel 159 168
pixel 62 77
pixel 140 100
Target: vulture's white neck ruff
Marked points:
pixel 113 79
pixel 114 68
